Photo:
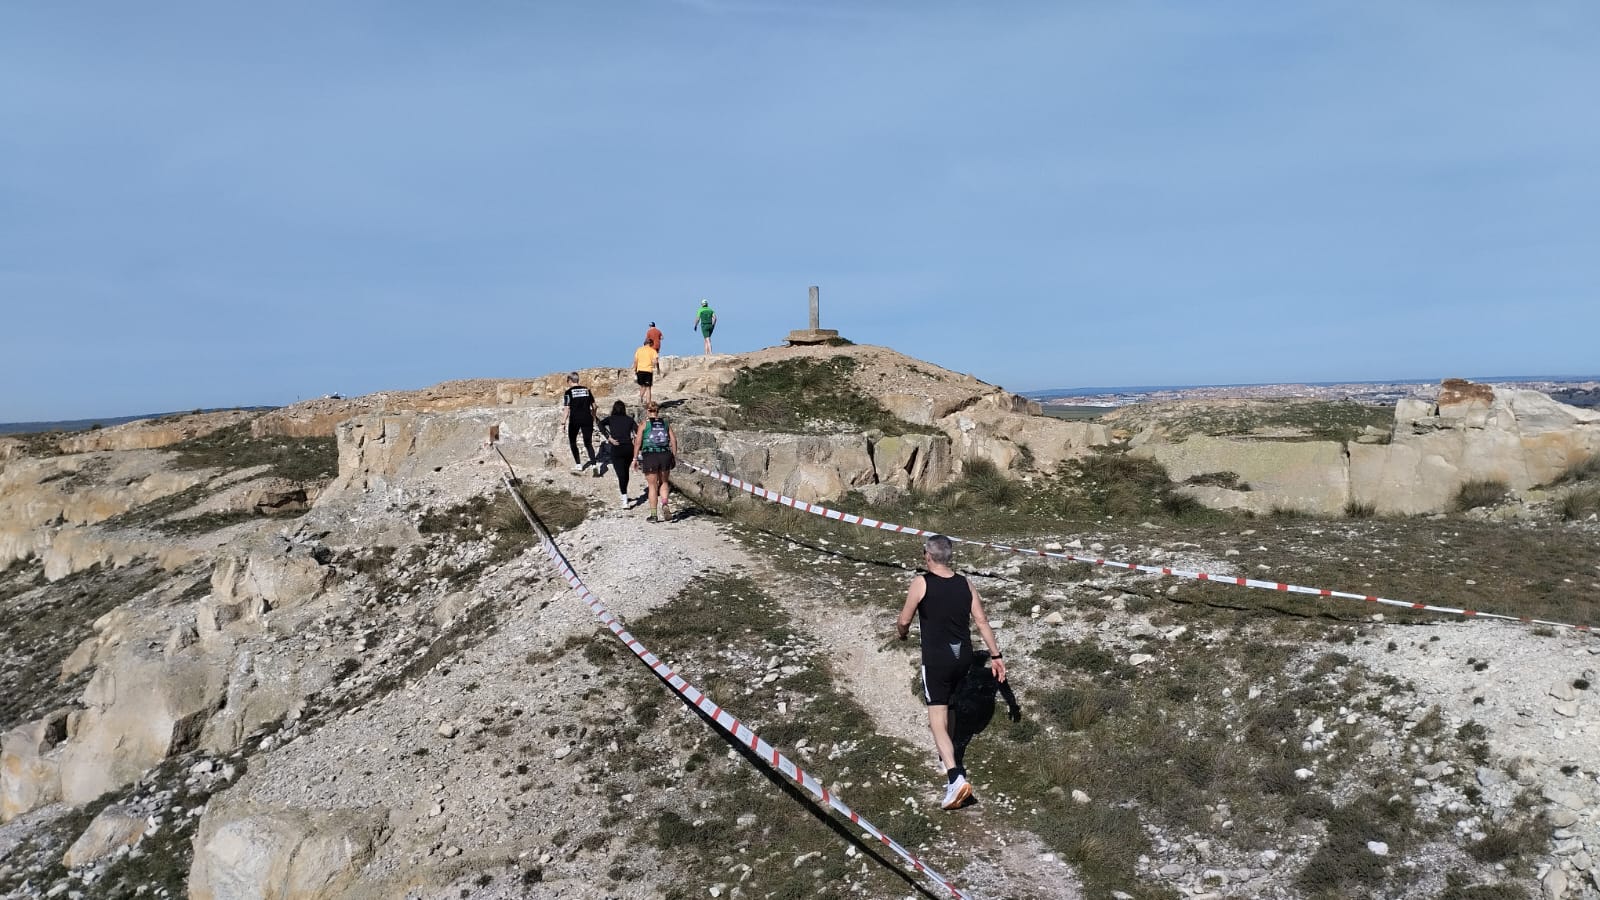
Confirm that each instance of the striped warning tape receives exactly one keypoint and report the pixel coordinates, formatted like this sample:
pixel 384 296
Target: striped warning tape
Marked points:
pixel 741 732
pixel 852 519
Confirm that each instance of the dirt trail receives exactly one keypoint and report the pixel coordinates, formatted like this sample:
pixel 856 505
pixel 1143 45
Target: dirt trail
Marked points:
pixel 1000 860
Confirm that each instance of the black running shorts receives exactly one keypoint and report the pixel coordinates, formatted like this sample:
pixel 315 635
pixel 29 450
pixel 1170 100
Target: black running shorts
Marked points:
pixel 943 669
pixel 646 378
pixel 656 462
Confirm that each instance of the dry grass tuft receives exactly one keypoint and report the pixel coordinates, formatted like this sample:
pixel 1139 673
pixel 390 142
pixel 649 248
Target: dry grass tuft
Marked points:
pixel 1478 493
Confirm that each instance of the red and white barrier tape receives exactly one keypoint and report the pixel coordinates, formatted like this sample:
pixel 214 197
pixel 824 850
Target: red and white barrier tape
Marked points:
pixel 864 521
pixel 741 732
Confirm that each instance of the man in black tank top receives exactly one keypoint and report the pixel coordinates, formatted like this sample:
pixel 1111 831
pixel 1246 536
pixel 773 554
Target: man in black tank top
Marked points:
pixel 946 606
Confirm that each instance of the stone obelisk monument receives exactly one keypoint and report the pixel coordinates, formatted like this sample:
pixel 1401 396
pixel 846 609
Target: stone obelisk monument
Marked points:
pixel 816 334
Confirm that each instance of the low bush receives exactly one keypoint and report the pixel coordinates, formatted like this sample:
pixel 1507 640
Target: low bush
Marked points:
pixel 983 481
pixel 1357 510
pixel 1586 470
pixel 1580 503
pixel 1479 492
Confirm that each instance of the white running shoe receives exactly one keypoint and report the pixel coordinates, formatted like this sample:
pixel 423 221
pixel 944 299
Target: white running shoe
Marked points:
pixel 577 468
pixel 956 794
pixel 625 503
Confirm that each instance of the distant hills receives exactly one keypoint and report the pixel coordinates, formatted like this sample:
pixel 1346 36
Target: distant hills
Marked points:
pixel 106 422
pixel 1048 393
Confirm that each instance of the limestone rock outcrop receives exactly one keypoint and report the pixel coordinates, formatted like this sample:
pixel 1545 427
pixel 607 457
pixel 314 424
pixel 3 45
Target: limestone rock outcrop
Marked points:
pixel 1308 476
pixel 807 467
pixel 114 828
pixel 141 706
pixel 43 501
pixel 321 416
pixel 72 550
pixel 1474 432
pixel 148 434
pixel 1005 435
pixel 30 765
pixel 83 489
pixel 250 852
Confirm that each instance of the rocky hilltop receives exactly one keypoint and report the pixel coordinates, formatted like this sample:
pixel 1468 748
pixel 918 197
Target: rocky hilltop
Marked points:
pixel 316 653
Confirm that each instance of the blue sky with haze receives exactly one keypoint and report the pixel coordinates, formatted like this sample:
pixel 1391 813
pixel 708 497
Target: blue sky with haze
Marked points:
pixel 213 204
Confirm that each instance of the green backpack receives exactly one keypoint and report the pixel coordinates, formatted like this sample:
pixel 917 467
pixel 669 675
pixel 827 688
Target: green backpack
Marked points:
pixel 656 439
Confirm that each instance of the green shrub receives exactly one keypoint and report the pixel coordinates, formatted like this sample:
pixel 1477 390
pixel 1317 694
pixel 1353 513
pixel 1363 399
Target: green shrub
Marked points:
pixel 984 480
pixel 1509 842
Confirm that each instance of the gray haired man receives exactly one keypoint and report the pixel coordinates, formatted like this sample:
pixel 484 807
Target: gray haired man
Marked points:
pixel 946 606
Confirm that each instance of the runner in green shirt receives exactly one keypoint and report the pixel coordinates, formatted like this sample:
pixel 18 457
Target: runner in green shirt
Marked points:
pixel 705 319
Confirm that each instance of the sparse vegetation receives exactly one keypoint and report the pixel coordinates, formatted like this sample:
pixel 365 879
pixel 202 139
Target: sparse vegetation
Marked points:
pixel 297 459
pixel 1325 420
pixel 1580 503
pixel 1478 493
pixel 1355 509
pixel 1229 480
pixel 1587 469
pixel 718 621
pixel 804 395
pixel 981 484
pixel 42 627
pixel 41 443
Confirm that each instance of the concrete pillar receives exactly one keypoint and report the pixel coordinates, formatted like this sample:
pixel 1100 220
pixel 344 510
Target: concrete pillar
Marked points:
pixel 816 313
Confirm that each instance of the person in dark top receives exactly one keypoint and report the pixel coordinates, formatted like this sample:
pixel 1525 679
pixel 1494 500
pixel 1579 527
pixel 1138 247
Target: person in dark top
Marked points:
pixel 946 606
pixel 577 410
pixel 618 431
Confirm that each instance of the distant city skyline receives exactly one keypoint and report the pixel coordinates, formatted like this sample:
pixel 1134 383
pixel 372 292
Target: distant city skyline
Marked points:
pixel 209 205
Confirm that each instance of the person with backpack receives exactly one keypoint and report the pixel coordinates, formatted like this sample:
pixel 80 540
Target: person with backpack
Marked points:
pixel 705 320
pixel 947 607
pixel 577 411
pixel 618 430
pixel 658 450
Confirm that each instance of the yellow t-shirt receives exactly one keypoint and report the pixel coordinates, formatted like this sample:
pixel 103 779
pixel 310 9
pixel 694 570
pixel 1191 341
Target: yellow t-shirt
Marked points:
pixel 644 359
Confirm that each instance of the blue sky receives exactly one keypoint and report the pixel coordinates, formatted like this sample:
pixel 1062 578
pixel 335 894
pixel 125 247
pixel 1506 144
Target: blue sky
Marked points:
pixel 224 203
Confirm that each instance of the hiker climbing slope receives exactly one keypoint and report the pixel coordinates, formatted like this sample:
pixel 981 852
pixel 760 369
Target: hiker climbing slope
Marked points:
pixel 577 411
pixel 705 321
pixel 658 454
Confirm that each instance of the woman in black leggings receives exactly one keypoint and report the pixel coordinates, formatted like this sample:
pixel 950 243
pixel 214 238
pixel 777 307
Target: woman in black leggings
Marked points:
pixel 619 430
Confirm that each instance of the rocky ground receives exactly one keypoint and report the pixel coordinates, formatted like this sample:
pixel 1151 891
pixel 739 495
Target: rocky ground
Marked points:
pixel 405 702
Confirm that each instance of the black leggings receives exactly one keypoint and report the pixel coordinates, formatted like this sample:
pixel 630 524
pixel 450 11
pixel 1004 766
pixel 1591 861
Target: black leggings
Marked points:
pixel 587 427
pixel 622 461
